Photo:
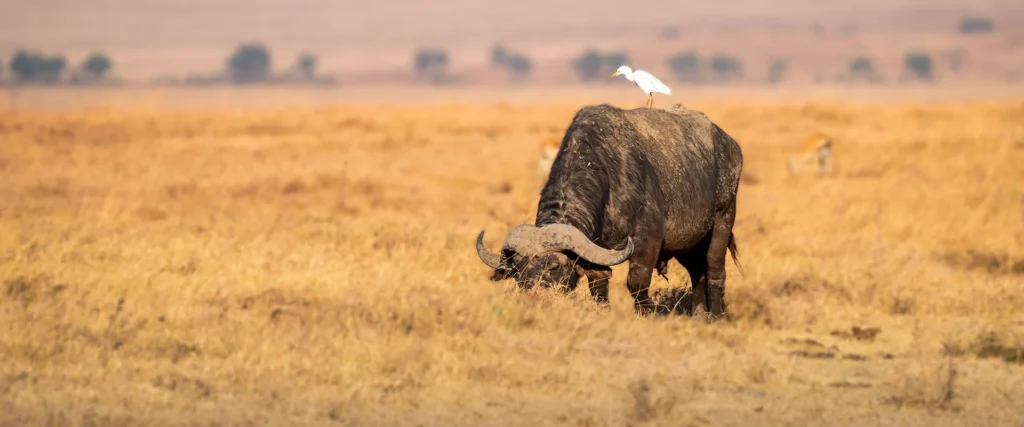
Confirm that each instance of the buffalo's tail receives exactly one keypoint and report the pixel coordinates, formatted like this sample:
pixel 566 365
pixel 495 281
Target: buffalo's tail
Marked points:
pixel 734 251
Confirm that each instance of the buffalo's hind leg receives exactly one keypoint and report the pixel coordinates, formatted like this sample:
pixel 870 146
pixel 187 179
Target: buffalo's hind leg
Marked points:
pixel 696 264
pixel 720 238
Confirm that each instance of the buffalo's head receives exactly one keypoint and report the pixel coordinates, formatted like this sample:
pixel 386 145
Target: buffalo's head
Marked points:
pixel 546 255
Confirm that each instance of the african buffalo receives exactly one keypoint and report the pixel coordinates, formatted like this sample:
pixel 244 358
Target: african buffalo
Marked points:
pixel 656 184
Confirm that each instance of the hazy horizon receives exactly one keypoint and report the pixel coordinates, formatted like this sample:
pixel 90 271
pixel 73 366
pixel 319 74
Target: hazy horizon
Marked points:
pixel 368 48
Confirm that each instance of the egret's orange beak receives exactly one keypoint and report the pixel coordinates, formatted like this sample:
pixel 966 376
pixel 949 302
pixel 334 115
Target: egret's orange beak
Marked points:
pixel 616 73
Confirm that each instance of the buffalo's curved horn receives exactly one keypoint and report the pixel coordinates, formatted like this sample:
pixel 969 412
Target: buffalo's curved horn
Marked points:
pixel 521 239
pixel 567 237
pixel 492 259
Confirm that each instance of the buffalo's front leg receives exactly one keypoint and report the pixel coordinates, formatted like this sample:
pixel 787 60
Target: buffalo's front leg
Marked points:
pixel 598 280
pixel 641 268
pixel 570 283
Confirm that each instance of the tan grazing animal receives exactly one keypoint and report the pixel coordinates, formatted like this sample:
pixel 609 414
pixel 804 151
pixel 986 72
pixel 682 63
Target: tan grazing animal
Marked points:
pixel 818 147
pixel 548 151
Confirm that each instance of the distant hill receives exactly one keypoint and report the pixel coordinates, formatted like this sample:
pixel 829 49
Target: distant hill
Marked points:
pixel 364 40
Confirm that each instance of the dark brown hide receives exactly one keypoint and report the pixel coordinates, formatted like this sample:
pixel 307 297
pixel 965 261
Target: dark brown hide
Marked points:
pixel 660 183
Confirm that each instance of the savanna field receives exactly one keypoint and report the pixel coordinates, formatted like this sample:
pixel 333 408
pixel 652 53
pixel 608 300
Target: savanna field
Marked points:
pixel 316 266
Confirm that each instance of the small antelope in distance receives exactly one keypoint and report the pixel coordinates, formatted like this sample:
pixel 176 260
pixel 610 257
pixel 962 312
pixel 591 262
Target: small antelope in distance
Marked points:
pixel 817 147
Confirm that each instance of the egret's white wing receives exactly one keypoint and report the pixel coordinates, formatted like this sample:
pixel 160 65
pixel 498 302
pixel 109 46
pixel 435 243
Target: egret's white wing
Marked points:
pixel 652 81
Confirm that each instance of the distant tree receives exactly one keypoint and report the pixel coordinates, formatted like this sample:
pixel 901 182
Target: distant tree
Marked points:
pixel 919 64
pixel 52 69
pixel 431 63
pixel 249 63
pixel 615 60
pixel 500 55
pixel 97 65
pixel 685 66
pixel 862 68
pixel 306 64
pixel 776 70
pixel 592 64
pixel 24 66
pixel 37 68
pixel 861 65
pixel 726 66
pixel 589 64
pixel 976 24
pixel 519 66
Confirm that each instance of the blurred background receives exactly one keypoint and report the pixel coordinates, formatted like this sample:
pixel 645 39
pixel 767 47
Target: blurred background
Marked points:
pixel 394 50
pixel 311 260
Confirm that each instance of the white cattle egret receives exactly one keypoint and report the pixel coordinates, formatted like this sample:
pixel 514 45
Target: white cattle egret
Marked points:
pixel 648 83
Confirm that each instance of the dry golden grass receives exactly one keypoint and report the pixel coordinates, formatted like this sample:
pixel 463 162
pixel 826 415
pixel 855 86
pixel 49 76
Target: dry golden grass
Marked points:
pixel 317 267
